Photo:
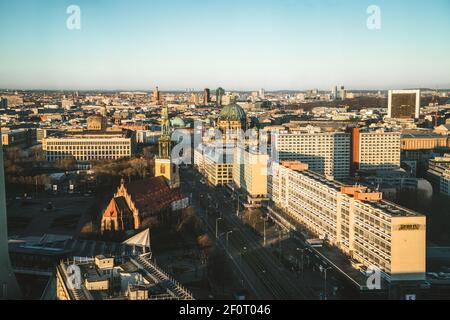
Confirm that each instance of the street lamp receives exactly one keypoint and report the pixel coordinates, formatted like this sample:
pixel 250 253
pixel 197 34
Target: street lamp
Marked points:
pixel 227 235
pixel 237 207
pixel 298 262
pixel 325 269
pixel 265 220
pixel 217 226
pixel 242 253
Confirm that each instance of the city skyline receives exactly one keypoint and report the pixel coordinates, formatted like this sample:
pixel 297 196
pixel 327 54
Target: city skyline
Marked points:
pixel 277 45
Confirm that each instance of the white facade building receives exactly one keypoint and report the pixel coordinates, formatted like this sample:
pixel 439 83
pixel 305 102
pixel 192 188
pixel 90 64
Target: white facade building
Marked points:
pixel 87 146
pixel 371 231
pixel 327 153
pixel 379 150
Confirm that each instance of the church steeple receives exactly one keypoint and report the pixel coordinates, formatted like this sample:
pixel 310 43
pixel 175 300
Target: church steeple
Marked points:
pixel 164 143
pixel 163 162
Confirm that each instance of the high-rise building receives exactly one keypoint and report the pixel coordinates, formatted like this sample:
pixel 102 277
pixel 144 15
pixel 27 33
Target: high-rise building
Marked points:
pixel 327 153
pixel 343 93
pixel 370 230
pixel 404 104
pixel 220 92
pixel 334 93
pixel 262 93
pixel 3 103
pixel 206 96
pixel 215 162
pixel 375 150
pixel 9 289
pixel 250 170
pixel 156 96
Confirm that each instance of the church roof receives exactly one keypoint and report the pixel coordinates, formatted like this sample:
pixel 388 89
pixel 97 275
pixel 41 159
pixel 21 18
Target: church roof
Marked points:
pixel 120 205
pixel 153 194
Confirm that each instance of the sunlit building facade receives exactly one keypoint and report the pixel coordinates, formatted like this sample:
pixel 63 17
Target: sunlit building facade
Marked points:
pixel 370 230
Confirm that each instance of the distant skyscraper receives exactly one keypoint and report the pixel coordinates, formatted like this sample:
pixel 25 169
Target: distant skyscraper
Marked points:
pixel 219 94
pixel 334 93
pixel 342 93
pixel 206 96
pixel 195 98
pixel 404 104
pixel 9 289
pixel 262 93
pixel 156 96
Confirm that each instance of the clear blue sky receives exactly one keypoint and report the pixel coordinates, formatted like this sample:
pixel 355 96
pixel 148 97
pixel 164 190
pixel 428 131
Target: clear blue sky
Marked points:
pixel 237 44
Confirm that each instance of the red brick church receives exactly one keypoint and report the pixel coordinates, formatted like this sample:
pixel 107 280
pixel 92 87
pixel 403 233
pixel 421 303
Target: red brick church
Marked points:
pixel 137 200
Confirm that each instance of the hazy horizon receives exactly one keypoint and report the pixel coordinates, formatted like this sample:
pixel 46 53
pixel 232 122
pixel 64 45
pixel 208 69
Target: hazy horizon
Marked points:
pixel 238 45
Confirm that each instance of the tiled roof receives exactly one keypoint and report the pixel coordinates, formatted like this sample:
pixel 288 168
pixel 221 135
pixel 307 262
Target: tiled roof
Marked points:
pixel 153 194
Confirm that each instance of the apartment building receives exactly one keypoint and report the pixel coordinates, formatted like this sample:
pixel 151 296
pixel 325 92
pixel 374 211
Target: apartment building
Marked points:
pixel 250 170
pixel 368 229
pixel 445 182
pixel 88 146
pixel 437 172
pixel 375 150
pixel 327 153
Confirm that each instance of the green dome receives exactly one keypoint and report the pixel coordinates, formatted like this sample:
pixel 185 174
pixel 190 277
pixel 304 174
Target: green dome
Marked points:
pixel 177 122
pixel 233 112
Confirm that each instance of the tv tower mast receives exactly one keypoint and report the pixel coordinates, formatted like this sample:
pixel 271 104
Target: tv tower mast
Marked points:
pixel 9 289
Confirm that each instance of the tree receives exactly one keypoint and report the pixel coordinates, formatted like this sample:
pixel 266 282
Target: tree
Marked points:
pixel 66 164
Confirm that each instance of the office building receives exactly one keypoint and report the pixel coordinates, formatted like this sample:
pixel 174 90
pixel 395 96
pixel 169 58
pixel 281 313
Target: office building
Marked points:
pixel 369 230
pixel 220 92
pixel 215 162
pixel 87 146
pixel 444 187
pixel 334 91
pixel 375 150
pixel 327 153
pixel 437 172
pixel 404 104
pixel 343 93
pixel 250 170
pixel 262 93
pixel 206 96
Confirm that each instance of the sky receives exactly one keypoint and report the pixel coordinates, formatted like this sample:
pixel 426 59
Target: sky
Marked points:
pixel 235 44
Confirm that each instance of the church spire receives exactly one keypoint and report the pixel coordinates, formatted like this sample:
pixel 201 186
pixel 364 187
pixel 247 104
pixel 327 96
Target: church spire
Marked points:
pixel 165 139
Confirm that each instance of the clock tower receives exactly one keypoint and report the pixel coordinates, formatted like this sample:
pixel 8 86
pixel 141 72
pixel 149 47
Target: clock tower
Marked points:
pixel 163 162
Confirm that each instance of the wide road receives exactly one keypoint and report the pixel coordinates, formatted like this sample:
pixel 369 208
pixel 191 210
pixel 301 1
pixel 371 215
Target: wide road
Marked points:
pixel 260 270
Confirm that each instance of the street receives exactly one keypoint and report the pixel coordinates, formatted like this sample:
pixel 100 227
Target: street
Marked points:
pixel 261 270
